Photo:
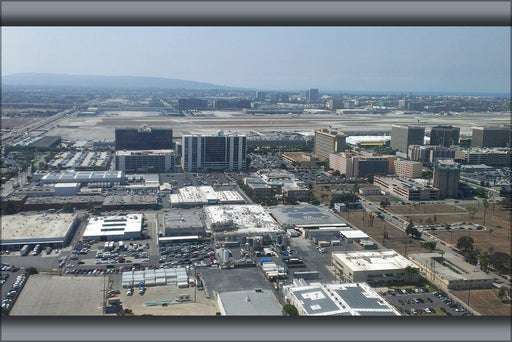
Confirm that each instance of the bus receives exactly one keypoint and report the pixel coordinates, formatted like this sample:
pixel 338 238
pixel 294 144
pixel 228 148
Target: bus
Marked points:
pixel 25 250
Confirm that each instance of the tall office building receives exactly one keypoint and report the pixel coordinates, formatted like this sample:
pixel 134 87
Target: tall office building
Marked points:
pixel 491 137
pixel 444 136
pixel 327 141
pixel 149 161
pixel 446 177
pixel 313 95
pixel 214 153
pixel 403 136
pixel 143 138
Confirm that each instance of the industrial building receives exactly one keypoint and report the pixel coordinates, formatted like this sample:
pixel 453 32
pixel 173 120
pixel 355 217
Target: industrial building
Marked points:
pixel 192 196
pixel 56 230
pixel 444 135
pixel 240 220
pixel 498 157
pixel 66 189
pixel 119 227
pixel 89 178
pixel 362 165
pixel 130 202
pixel 329 141
pixel 491 136
pixel 306 216
pixel 408 168
pixel 182 222
pixel 147 161
pixel 143 138
pixel 256 302
pixel 403 136
pixel 453 274
pixel 214 153
pixel 385 266
pixel 446 177
pixel 357 299
pixel 407 189
pixel 428 154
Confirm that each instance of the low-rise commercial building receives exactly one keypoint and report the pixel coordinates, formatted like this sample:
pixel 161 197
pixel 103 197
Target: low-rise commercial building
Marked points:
pixel 407 189
pixel 182 222
pixel 256 302
pixel 54 229
pixel 302 160
pixel 451 272
pixel 428 154
pixel 386 266
pixel 119 227
pixel 89 178
pixel 357 299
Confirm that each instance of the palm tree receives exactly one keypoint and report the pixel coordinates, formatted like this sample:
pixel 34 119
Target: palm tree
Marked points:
pixel 486 205
pixel 484 261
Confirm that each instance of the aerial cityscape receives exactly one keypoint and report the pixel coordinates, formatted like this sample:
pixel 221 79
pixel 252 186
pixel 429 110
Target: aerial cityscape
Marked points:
pixel 171 194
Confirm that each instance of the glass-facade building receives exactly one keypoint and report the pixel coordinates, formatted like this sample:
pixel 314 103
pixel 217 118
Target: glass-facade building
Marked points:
pixel 214 153
pixel 403 136
pixel 143 138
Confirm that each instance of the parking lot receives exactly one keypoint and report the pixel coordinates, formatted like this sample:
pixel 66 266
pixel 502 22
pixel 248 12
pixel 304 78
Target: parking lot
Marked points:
pixel 422 303
pixel 12 282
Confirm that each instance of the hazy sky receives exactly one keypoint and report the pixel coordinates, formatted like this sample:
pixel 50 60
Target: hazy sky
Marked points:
pixel 441 59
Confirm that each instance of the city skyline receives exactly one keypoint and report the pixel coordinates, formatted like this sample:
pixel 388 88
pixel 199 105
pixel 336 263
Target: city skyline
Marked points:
pixel 444 60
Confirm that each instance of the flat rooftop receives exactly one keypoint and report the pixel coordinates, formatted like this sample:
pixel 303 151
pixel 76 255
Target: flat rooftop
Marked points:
pixel 245 217
pixel 304 215
pixel 25 227
pixel 373 260
pixel 182 218
pixel 458 270
pixel 47 295
pixel 349 299
pixel 249 303
pixel 113 225
pixel 83 176
pixel 202 195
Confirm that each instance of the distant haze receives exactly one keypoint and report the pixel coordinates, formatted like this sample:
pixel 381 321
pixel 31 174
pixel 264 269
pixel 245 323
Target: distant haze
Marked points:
pixel 95 81
pixel 367 59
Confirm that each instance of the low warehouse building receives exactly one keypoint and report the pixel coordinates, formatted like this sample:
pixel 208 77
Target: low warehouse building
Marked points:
pixel 357 299
pixel 453 273
pixel 385 266
pixel 120 227
pixel 21 229
pixel 249 303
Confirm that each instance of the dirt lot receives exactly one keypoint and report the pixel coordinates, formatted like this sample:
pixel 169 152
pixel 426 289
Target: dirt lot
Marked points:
pixel 485 302
pixel 15 123
pixel 324 193
pixel 396 240
pixel 497 233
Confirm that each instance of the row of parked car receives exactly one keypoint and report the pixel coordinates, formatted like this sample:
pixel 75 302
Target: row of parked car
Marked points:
pixel 11 295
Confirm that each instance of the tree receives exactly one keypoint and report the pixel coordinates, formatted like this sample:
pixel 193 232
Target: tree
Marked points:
pixel 290 310
pixel 481 193
pixel 410 271
pixel 370 179
pixel 431 245
pixel 484 261
pixel 472 212
pixel 503 292
pixel 465 243
pixel 486 205
pixel 336 173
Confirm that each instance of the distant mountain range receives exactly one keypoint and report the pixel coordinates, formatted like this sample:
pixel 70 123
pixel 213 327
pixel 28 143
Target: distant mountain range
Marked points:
pixel 124 82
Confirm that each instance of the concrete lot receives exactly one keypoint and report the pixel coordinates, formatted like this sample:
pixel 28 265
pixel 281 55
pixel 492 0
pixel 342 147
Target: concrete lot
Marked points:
pixel 46 295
